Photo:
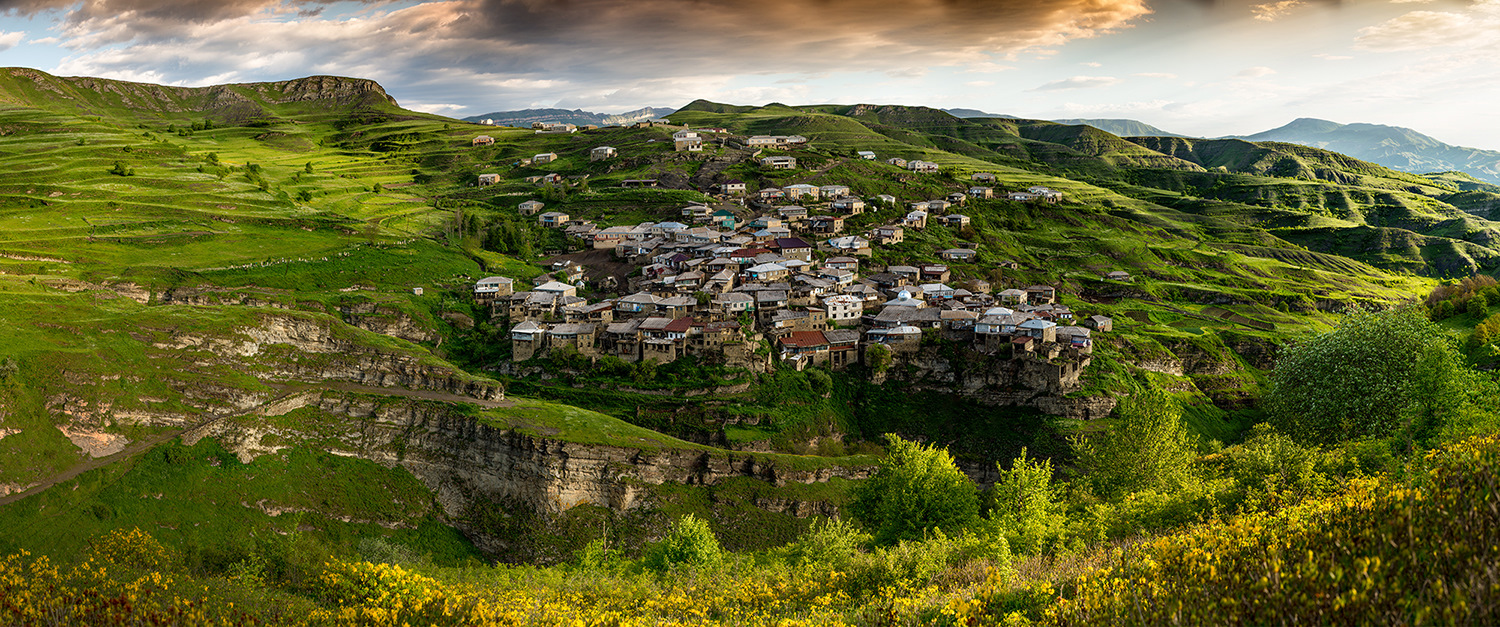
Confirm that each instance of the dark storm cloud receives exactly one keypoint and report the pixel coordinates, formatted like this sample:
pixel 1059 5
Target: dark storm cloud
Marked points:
pixel 562 49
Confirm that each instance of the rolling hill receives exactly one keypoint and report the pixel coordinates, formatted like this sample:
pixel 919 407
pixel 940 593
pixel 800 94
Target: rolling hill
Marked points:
pixel 1391 146
pixel 526 117
pixel 1123 128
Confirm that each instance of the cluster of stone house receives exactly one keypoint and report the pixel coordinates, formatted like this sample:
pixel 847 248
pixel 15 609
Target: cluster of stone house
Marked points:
pixel 824 312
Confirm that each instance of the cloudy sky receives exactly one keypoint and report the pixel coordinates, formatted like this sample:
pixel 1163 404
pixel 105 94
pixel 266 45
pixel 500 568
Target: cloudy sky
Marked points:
pixel 1200 67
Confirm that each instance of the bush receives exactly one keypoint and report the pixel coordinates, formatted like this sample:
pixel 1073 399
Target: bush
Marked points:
pixel 1271 468
pixel 1377 374
pixel 918 488
pixel 829 543
pixel 878 357
pixel 1148 448
pixel 689 542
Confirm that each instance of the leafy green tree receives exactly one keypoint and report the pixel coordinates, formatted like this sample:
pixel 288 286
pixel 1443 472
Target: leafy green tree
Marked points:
pixel 1025 503
pixel 1378 374
pixel 690 541
pixel 1148 448
pixel 917 488
pixel 1479 306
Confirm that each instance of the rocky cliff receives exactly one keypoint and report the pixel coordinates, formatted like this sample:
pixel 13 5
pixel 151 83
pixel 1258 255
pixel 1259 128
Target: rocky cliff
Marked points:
pixel 998 381
pixel 469 461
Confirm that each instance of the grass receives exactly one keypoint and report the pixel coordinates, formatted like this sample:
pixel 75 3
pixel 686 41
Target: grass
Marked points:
pixel 202 499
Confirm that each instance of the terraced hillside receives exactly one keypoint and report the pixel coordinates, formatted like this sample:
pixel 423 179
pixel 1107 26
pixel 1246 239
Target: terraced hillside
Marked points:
pixel 203 285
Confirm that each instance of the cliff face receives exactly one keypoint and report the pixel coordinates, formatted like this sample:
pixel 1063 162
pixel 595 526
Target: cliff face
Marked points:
pixel 288 346
pixel 463 459
pixel 998 381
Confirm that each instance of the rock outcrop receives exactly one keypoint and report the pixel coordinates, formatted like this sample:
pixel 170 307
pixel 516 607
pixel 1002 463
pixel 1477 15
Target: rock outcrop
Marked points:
pixel 463 458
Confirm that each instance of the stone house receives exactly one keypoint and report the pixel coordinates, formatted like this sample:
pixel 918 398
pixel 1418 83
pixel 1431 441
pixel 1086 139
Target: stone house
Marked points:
pixel 1041 295
pixel 959 254
pixel 886 235
pixel 489 289
pixel 826 224
pixel 849 205
pixel 779 163
pixel 956 221
pixel 842 263
pixel 935 272
pixel 801 190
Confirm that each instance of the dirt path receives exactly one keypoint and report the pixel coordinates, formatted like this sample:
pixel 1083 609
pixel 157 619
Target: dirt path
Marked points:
pixel 287 390
pixel 130 451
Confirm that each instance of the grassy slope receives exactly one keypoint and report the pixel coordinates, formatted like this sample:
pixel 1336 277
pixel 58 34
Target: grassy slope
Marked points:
pixel 196 214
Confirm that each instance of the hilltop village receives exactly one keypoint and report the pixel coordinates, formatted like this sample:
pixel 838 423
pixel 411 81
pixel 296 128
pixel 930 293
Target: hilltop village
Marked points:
pixel 776 267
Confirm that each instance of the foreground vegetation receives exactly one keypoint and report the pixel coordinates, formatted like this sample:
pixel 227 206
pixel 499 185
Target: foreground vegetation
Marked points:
pixel 1344 557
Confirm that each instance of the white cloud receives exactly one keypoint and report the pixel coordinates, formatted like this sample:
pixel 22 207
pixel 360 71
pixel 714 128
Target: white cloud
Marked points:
pixel 1081 110
pixel 1332 57
pixel 907 72
pixel 1256 72
pixel 986 67
pixel 1079 82
pixel 1091 64
pixel 980 84
pixel 10 40
pixel 1419 30
pixel 440 109
pixel 1167 75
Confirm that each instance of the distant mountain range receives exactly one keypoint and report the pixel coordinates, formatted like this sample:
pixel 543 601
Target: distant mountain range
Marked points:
pixel 526 117
pixel 975 113
pixel 1391 146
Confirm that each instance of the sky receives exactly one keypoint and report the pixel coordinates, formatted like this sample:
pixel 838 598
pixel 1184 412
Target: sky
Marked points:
pixel 1196 67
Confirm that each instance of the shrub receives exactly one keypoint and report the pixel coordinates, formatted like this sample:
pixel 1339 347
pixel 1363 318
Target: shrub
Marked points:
pixel 917 488
pixel 1023 502
pixel 1148 448
pixel 828 543
pixel 690 542
pixel 1271 467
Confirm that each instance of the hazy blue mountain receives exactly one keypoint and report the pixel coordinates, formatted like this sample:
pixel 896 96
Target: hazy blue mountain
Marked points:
pixel 974 113
pixel 1391 146
pixel 526 117
pixel 1122 128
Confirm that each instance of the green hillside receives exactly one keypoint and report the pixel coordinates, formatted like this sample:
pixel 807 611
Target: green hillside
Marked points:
pixel 255 301
pixel 241 361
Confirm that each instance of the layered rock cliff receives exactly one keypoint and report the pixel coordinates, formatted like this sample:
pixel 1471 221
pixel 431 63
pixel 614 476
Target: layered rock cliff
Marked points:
pixel 469 461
